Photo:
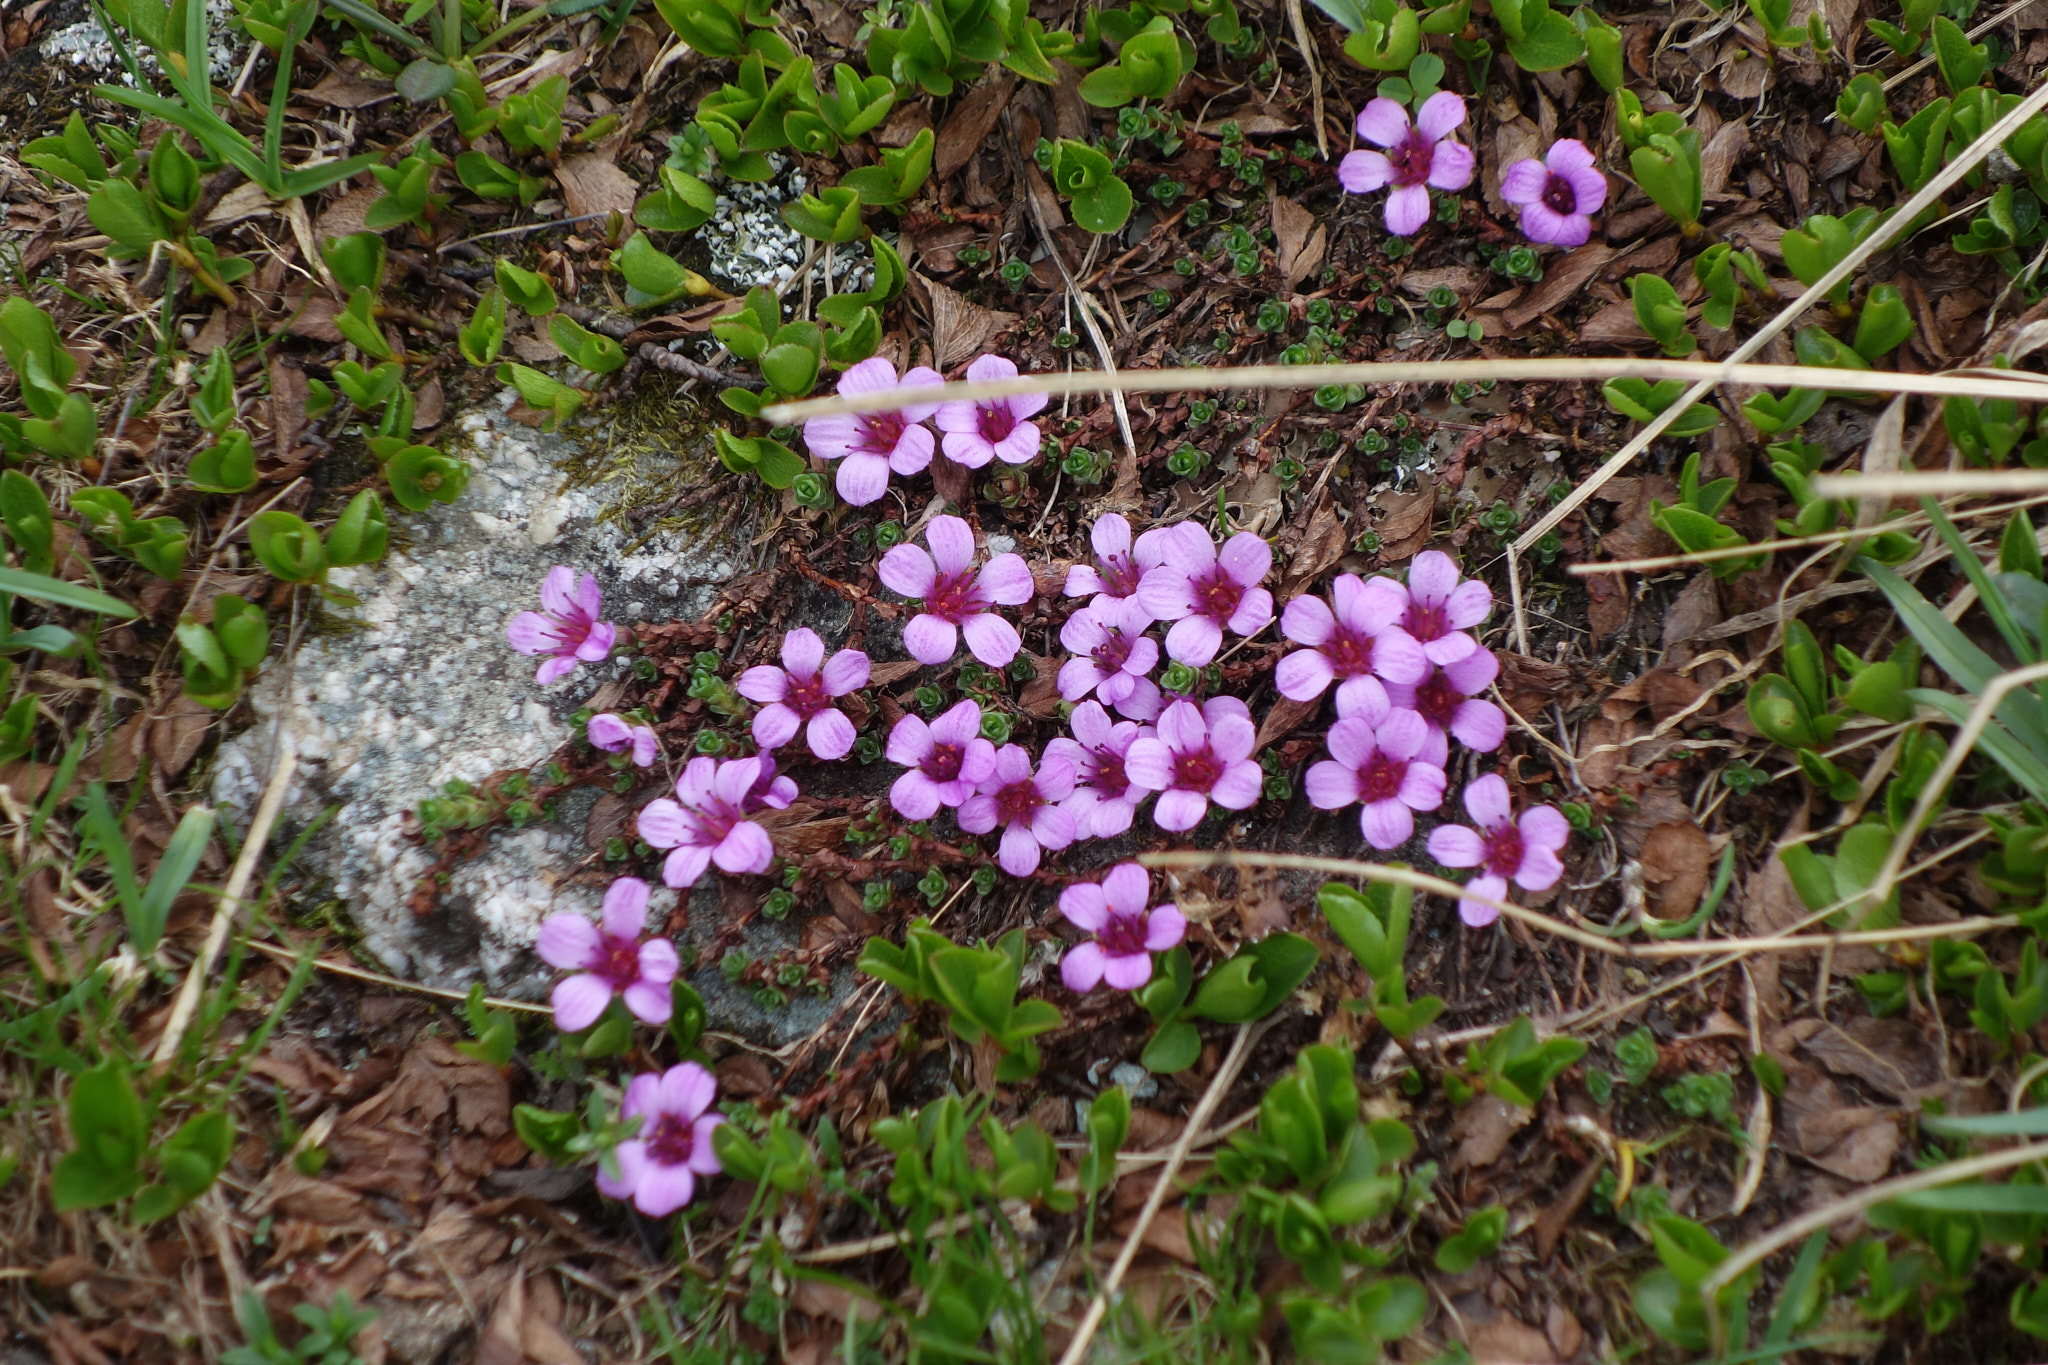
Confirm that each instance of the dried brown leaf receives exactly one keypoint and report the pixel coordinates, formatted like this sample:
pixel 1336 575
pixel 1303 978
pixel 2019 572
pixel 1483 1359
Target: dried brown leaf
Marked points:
pixel 966 129
pixel 1482 1130
pixel 1674 858
pixel 1562 281
pixel 592 183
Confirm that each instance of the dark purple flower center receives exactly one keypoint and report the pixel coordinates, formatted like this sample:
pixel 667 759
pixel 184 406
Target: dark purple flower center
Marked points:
pixel 955 597
pixel 1349 653
pixel 1411 158
pixel 879 433
pixel 1197 770
pixel 807 696
pixel 1436 701
pixel 670 1140
pixel 1216 594
pixel 1122 935
pixel 1559 196
pixel 617 960
pixel 1113 652
pixel 1426 622
pixel 1108 778
pixel 1119 576
pixel 1381 778
pixel 710 823
pixel 994 421
pixel 1503 848
pixel 942 764
pixel 1015 802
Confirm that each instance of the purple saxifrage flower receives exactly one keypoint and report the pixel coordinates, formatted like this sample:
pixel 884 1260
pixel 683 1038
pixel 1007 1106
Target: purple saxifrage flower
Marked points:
pixel 566 628
pixel 1417 157
pixel 1126 932
pixel 1442 608
pixel 1362 637
pixel 985 429
pixel 1119 563
pixel 1197 757
pixel 658 1168
pixel 802 693
pixel 1501 848
pixel 871 445
pixel 1104 798
pixel 770 790
pixel 947 761
pixel 1112 657
pixel 1203 592
pixel 609 959
pixel 1377 766
pixel 1558 195
pixel 1448 701
pixel 614 735
pixel 707 822
pixel 1026 805
pixel 957 601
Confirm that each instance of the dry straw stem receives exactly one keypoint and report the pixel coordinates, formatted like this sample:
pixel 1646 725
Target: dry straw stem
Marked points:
pixel 1939 483
pixel 1907 213
pixel 1801 1228
pixel 224 913
pixel 1704 374
pixel 1233 1061
pixel 1655 952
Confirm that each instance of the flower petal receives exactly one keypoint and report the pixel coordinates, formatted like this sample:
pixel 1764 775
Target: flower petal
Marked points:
pixel 1006 579
pixel 1127 887
pixel 1543 827
pixel 579 1000
pixel 1407 210
pixel 846 671
pixel 746 848
pixel 1176 811
pixel 930 640
pixel 1086 906
pixel 1247 558
pixel 567 941
pixel 1452 166
pixel 1149 764
pixel 1524 182
pixel 830 735
pixel 1545 225
pixel 1194 640
pixel 1305 674
pixel 1486 801
pixel 1110 535
pixel 1478 914
pixel 908 570
pixel 1165 927
pixel 1440 113
pixel 952 542
pixel 909 741
pixel 663 823
pixel 863 478
pixel 990 639
pixel 1018 853
pixel 763 683
pixel 558 592
pixel 532 633
pixel 685 866
pixel 915 796
pixel 650 1003
pixel 1456 846
pixel 775 725
pixel 1240 786
pixel 625 908
pixel 1479 726
pixel 913 451
pixel 1127 971
pixel 1383 122
pixel 1330 785
pixel 1386 824
pixel 1166 593
pixel 1081 969
pixel 664 1189
pixel 1362 172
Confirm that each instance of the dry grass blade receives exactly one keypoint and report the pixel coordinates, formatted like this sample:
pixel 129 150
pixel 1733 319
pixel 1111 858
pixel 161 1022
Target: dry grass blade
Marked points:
pixel 1705 375
pixel 1939 483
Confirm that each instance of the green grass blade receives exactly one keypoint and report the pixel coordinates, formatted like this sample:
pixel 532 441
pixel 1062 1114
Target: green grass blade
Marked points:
pixel 181 858
pixel 2016 1199
pixel 1994 601
pixel 2025 767
pixel 59 593
pixel 1797 1286
pixel 1954 653
pixel 2026 1123
pixel 112 845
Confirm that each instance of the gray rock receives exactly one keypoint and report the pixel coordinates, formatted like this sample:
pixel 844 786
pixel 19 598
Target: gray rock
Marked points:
pixel 424 689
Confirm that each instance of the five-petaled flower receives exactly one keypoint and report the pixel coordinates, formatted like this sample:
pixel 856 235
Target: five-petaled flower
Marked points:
pixel 1352 645
pixel 1558 195
pixel 1417 157
pixel 1126 932
pixel 1441 608
pixel 614 735
pixel 1501 847
pixel 985 429
pixel 802 693
pixel 609 959
pixel 658 1167
pixel 1104 798
pixel 1448 701
pixel 566 628
pixel 1121 564
pixel 1195 758
pixel 870 445
pixel 1375 762
pixel 707 822
pixel 948 760
pixel 1203 591
pixel 1112 657
pixel 957 601
pixel 1025 804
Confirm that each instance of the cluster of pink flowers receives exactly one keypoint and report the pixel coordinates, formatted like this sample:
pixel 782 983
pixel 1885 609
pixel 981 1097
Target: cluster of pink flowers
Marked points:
pixel 871 446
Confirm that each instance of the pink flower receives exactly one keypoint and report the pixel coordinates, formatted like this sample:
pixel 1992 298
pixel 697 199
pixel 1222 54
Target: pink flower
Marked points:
pixel 956 600
pixel 658 1168
pixel 1126 932
pixel 1104 798
pixel 1119 565
pixel 991 428
pixel 947 759
pixel 1197 757
pixel 609 961
pixel 1558 194
pixel 612 734
pixel 1348 646
pixel 871 444
pixel 801 692
pixel 1415 157
pixel 1377 766
pixel 1112 657
pixel 1448 700
pixel 768 790
pixel 707 822
pixel 1025 805
pixel 1500 848
pixel 1202 592
pixel 1441 607
pixel 566 627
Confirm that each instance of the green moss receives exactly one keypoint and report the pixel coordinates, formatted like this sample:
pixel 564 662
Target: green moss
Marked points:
pixel 647 450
